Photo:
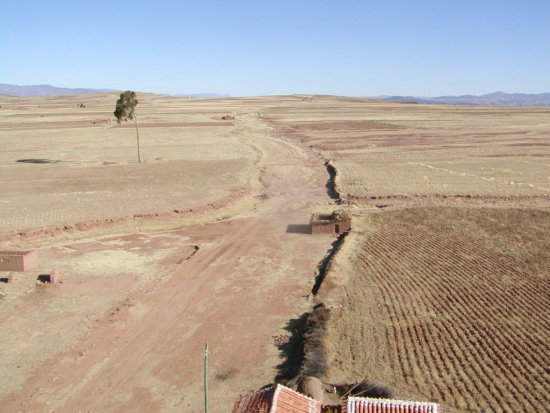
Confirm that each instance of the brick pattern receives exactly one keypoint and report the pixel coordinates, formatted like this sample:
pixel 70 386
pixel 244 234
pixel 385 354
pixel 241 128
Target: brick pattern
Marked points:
pixel 281 399
pixel 286 400
pixel 257 402
pixel 368 405
pixel 276 399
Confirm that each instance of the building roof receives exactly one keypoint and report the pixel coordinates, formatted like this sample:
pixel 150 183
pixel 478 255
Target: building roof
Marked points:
pixel 286 400
pixel 281 399
pixel 256 402
pixel 368 405
pixel 277 399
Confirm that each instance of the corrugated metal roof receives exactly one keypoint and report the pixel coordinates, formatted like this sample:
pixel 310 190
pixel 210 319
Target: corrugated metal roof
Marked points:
pixel 369 405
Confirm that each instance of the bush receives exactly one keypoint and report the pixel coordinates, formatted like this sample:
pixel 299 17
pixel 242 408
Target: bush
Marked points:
pixel 340 215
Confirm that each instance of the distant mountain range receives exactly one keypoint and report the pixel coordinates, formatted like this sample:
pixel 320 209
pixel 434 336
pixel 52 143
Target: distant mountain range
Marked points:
pixel 491 99
pixel 495 99
pixel 202 95
pixel 49 90
pixel 44 90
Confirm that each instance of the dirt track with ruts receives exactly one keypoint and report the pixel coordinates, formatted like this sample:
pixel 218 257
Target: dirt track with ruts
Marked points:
pixel 126 329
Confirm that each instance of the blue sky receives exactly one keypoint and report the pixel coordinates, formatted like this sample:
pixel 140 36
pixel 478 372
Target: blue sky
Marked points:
pixel 353 48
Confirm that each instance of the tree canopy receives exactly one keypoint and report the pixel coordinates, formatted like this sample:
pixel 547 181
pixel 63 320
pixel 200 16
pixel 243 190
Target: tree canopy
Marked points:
pixel 126 111
pixel 126 106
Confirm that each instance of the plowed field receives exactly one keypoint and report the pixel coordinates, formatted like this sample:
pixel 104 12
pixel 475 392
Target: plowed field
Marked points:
pixel 449 304
pixel 204 242
pixel 388 150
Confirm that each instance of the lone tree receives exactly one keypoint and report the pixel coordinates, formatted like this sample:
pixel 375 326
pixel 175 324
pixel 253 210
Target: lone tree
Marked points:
pixel 126 111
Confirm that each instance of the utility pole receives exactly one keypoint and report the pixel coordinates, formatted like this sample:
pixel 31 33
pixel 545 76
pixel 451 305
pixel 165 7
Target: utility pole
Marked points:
pixel 206 378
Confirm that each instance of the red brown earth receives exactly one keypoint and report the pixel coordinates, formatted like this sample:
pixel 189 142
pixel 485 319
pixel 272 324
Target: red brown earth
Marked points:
pixel 205 241
pixel 125 328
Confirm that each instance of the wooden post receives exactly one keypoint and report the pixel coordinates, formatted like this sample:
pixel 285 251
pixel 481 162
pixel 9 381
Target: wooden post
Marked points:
pixel 206 379
pixel 137 135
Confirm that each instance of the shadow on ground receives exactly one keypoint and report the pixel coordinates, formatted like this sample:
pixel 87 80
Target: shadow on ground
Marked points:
pixel 292 349
pixel 298 229
pixel 37 160
pixel 324 265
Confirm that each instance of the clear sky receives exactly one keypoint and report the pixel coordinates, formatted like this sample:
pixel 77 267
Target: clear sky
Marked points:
pixel 353 48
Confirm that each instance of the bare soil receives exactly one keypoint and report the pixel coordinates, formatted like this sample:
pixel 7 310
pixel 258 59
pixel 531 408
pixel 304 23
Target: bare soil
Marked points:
pixel 206 241
pixel 383 149
pixel 126 327
pixel 446 304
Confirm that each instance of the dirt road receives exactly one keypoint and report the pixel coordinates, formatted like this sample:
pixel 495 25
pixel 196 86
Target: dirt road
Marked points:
pixel 248 278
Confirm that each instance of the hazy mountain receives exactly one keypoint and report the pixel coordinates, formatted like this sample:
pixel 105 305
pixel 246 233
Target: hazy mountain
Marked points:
pixel 491 99
pixel 202 95
pixel 49 90
pixel 44 90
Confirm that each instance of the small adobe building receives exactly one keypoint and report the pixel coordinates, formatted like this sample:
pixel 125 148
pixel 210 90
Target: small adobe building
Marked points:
pixel 337 222
pixel 17 260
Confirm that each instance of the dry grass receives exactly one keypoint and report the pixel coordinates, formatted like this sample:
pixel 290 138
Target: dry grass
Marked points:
pixel 443 303
pixel 65 164
pixel 448 304
pixel 383 149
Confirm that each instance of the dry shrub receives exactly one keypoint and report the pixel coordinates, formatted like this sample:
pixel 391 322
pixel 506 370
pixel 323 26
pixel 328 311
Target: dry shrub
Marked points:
pixel 340 215
pixel 365 388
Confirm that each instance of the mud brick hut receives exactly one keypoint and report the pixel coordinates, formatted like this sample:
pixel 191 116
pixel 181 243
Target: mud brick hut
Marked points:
pixel 336 223
pixel 281 399
pixel 17 260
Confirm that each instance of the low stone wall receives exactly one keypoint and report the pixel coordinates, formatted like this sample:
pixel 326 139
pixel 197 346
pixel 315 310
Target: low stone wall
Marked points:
pixel 321 225
pixel 322 228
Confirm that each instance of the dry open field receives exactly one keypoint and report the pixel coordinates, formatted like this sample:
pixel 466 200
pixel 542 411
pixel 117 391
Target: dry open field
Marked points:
pixel 383 149
pixel 444 292
pixel 448 261
pixel 63 164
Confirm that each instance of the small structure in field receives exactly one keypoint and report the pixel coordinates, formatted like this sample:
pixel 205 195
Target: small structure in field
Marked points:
pixel 337 222
pixel 9 279
pixel 17 260
pixel 50 278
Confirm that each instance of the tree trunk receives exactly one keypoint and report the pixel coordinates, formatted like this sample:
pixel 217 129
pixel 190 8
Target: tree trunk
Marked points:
pixel 137 134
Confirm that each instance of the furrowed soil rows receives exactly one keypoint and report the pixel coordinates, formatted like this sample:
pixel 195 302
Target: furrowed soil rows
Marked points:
pixel 460 308
pixel 383 149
